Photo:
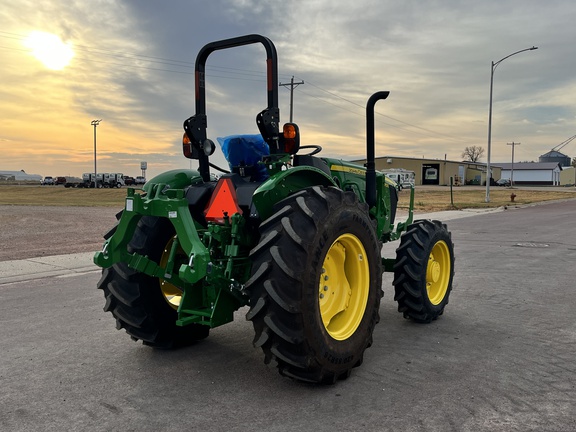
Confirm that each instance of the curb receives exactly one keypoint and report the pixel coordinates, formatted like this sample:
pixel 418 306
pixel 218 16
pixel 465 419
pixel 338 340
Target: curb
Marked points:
pixel 41 267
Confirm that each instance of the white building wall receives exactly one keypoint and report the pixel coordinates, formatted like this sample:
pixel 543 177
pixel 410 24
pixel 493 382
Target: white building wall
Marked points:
pixel 529 175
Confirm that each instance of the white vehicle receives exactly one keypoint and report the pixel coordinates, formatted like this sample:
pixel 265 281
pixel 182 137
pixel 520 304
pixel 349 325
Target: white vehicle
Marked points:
pixel 48 181
pixel 107 180
pixel 88 180
pixel 403 178
pixel 113 180
pixel 431 174
pixel 140 180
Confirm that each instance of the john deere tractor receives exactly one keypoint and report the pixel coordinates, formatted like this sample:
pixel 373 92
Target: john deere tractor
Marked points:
pixel 293 236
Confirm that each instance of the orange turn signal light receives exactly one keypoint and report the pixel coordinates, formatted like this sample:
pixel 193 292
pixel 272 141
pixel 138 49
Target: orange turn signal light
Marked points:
pixel 187 146
pixel 291 135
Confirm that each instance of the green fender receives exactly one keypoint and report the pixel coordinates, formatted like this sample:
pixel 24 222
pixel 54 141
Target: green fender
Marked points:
pixel 174 179
pixel 285 183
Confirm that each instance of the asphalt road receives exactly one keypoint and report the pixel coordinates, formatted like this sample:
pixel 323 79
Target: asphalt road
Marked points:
pixel 501 358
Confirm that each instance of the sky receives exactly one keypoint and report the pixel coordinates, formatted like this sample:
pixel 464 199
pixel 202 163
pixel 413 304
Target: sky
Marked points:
pixel 131 63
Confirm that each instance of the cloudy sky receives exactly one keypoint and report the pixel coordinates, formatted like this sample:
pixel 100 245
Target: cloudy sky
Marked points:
pixel 132 65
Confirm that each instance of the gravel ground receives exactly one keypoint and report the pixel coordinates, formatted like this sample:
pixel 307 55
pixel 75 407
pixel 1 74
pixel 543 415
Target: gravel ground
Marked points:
pixel 35 231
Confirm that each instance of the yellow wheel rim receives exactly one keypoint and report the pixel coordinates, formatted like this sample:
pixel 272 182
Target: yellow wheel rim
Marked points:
pixel 172 294
pixel 438 272
pixel 344 286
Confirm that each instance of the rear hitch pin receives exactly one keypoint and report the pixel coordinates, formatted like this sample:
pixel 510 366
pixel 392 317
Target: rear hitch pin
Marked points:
pixel 105 249
pixel 191 261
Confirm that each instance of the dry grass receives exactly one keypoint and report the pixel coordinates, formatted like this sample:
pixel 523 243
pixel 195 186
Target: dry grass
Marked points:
pixel 61 196
pixel 425 199
pixel 438 199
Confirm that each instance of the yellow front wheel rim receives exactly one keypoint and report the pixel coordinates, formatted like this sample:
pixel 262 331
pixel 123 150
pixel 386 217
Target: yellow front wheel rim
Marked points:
pixel 344 286
pixel 438 272
pixel 172 294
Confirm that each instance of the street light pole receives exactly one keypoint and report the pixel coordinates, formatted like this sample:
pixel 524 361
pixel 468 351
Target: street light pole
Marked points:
pixel 95 123
pixel 492 69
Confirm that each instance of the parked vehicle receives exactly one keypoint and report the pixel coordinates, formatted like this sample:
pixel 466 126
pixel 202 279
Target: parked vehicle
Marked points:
pixel 129 181
pixel 74 182
pixel 48 181
pixel 503 182
pixel 402 177
pixel 113 180
pixel 140 180
pixel 88 180
pixel 60 180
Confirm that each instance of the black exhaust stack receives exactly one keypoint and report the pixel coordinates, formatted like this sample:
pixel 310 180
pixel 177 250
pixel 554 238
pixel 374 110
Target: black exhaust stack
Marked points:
pixel 370 157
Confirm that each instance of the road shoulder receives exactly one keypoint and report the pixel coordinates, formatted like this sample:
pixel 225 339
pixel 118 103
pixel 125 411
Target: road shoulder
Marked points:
pixel 41 267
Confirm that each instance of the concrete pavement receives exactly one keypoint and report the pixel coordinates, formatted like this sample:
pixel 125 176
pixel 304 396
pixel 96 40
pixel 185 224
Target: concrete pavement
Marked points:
pixel 41 267
pixel 501 359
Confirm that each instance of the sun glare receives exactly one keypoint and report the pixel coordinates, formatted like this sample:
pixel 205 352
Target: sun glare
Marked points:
pixel 49 49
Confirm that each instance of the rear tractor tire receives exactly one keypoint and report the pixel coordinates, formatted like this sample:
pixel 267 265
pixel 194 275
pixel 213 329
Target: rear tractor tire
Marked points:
pixel 144 306
pixel 316 285
pixel 424 271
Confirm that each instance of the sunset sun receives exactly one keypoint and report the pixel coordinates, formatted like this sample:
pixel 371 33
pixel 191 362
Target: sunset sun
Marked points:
pixel 49 49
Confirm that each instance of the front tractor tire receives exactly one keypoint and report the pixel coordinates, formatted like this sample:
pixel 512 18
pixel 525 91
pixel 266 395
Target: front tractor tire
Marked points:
pixel 145 306
pixel 424 271
pixel 316 285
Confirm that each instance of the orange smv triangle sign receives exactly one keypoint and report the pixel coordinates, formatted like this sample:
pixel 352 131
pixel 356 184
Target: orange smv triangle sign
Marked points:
pixel 223 202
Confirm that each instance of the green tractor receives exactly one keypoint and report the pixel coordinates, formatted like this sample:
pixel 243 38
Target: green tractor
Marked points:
pixel 295 237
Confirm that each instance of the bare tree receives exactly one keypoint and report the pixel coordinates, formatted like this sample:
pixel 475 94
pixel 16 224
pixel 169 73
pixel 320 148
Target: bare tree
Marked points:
pixel 473 153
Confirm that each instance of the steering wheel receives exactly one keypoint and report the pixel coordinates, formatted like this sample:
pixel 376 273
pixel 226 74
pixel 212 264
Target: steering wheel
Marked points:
pixel 317 149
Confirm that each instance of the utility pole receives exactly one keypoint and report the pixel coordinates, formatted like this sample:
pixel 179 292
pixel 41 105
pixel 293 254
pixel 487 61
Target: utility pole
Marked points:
pixel 292 85
pixel 95 123
pixel 513 144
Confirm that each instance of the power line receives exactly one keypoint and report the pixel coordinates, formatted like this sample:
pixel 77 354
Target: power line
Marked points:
pixel 384 115
pixel 152 59
pixel 249 75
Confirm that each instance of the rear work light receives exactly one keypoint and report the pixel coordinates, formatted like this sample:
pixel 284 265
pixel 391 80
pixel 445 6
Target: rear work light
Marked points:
pixel 191 151
pixel 223 203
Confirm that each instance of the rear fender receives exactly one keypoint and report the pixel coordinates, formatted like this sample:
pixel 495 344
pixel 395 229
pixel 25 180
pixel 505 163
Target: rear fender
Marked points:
pixel 286 183
pixel 173 179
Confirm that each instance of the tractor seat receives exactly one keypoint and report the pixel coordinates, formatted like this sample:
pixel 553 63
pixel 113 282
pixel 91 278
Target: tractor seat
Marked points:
pixel 316 162
pixel 243 152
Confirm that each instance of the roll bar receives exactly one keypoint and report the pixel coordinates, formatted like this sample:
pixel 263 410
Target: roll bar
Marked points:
pixel 195 126
pixel 271 61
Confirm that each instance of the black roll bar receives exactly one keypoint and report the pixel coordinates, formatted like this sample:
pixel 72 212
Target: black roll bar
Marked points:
pixel 196 125
pixel 271 61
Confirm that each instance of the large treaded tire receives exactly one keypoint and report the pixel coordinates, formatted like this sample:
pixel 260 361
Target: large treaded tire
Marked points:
pixel 424 271
pixel 286 286
pixel 136 300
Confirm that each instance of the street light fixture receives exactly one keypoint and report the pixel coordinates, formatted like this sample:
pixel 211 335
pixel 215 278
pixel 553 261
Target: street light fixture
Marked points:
pixel 95 123
pixel 493 68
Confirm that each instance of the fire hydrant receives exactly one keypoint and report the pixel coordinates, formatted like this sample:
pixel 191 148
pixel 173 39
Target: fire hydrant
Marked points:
pixel 512 196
